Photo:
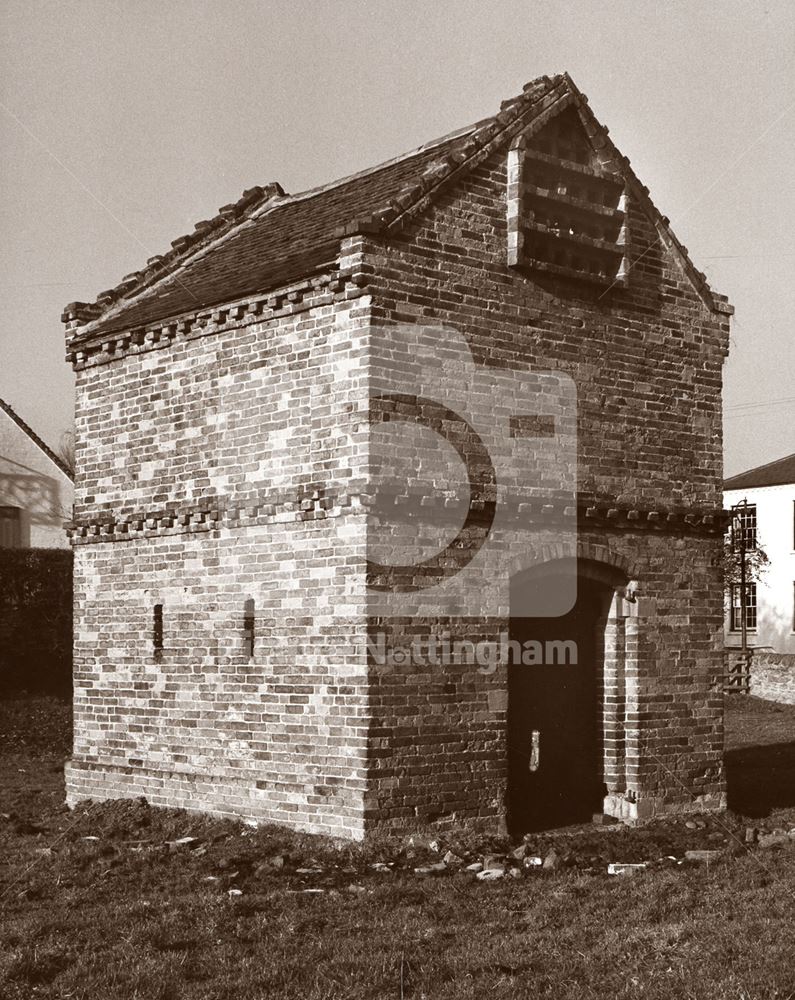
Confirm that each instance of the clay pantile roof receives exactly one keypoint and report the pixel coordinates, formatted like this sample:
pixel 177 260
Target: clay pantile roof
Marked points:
pixel 34 437
pixel 289 240
pixel 268 239
pixel 778 473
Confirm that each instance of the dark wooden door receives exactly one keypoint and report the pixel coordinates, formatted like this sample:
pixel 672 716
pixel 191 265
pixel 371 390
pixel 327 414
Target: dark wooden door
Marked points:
pixel 554 765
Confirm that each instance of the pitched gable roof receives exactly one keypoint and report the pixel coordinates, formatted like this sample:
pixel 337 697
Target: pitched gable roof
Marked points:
pixel 278 238
pixel 268 239
pixel 34 437
pixel 778 473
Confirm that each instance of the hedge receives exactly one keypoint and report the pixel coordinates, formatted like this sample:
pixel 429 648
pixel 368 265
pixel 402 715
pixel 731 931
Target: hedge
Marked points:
pixel 35 621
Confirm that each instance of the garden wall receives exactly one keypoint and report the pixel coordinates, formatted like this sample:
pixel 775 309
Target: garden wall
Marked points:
pixel 773 677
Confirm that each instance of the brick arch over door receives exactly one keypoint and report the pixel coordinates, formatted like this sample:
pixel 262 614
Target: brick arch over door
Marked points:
pixel 596 552
pixel 587 551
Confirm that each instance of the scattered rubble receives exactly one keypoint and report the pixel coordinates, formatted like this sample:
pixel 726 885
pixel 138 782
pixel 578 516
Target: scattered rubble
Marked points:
pixel 619 868
pixel 238 860
pixel 551 861
pixel 270 865
pixel 776 838
pixel 490 874
pixel 703 857
pixel 437 869
pixel 183 843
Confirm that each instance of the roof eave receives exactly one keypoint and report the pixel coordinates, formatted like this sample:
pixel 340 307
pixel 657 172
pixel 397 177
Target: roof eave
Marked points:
pixel 12 414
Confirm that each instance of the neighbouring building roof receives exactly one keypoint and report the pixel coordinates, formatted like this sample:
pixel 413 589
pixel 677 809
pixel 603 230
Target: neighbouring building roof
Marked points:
pixel 268 238
pixel 34 437
pixel 778 473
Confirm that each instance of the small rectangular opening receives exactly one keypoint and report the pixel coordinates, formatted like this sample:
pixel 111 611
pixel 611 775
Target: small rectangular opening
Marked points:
pixel 157 630
pixel 248 628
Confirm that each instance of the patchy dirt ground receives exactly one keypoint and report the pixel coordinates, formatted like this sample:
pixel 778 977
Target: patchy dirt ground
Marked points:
pixel 118 900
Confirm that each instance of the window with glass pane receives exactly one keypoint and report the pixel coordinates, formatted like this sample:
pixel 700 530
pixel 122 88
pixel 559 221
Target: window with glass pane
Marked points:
pixel 750 607
pixel 744 526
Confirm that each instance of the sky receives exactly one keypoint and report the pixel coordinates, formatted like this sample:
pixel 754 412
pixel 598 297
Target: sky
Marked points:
pixel 124 123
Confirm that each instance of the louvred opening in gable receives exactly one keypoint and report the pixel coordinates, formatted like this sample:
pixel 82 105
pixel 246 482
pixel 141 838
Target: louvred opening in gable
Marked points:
pixel 566 205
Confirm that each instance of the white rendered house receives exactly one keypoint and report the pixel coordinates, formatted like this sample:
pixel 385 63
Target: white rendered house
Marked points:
pixel 769 522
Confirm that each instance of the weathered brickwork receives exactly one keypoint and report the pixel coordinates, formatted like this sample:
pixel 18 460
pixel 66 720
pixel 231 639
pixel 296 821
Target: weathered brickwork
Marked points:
pixel 281 734
pixel 223 457
pixel 218 470
pixel 440 747
pixel 647 363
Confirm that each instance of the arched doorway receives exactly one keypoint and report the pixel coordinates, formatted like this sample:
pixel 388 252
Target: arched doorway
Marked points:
pixel 556 697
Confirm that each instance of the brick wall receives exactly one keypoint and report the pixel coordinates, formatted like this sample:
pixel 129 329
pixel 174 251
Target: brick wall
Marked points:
pixel 647 364
pixel 218 471
pixel 228 462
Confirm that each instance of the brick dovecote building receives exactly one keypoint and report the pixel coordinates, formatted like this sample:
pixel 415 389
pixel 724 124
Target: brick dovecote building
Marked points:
pixel 221 529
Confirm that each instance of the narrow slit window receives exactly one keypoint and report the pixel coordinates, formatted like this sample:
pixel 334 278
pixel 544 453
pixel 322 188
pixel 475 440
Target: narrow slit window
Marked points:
pixel 157 629
pixel 248 628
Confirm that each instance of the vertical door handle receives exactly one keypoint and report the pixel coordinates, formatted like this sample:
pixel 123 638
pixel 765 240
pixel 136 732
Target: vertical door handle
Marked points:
pixel 535 750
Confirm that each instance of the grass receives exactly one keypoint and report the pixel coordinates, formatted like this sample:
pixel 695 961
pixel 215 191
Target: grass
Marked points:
pixel 127 916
